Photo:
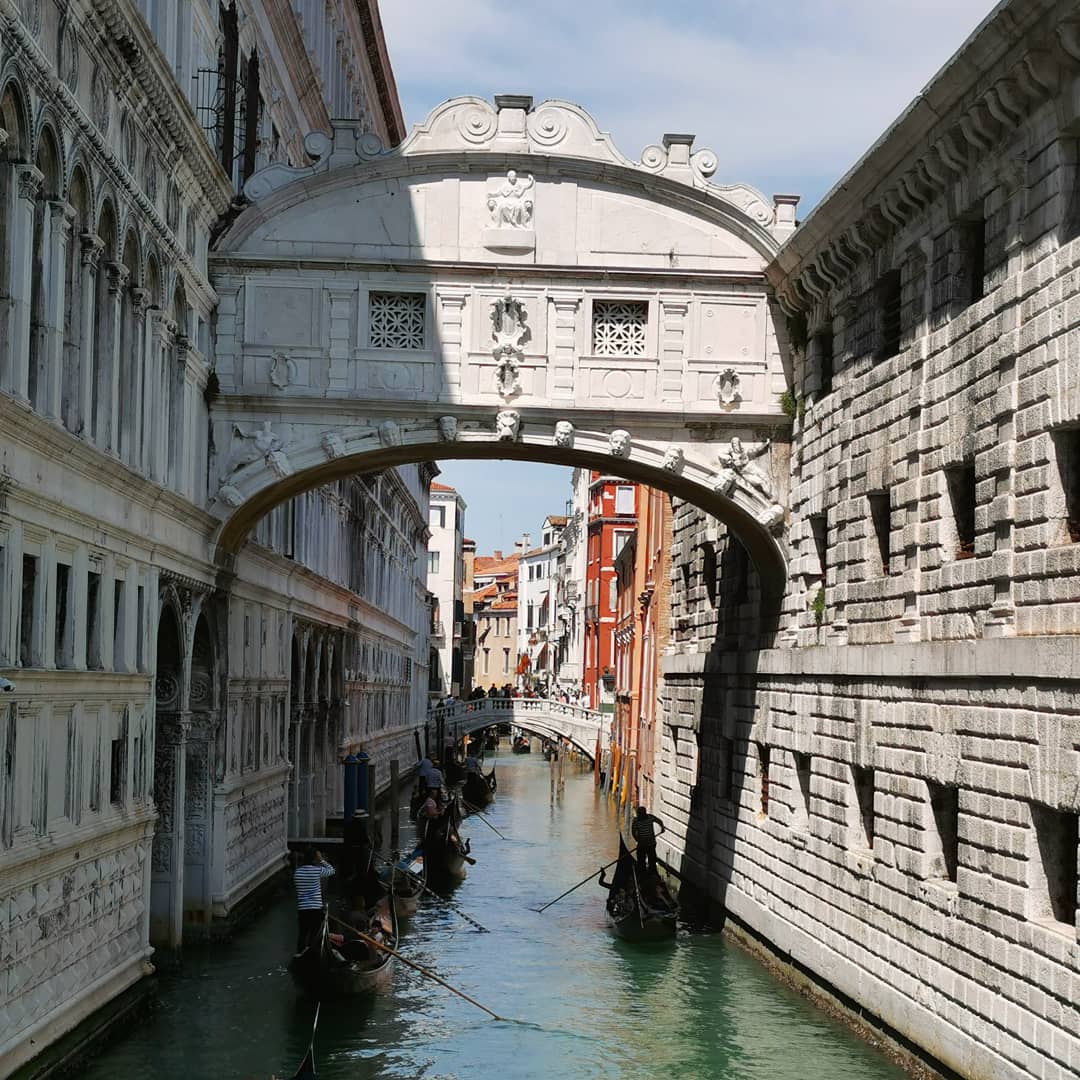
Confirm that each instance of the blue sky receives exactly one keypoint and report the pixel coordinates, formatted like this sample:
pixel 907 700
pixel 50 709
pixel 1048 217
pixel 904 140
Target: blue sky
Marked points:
pixel 788 93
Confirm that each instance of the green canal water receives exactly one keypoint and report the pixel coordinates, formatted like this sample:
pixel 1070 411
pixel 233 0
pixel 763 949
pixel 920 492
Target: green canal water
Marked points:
pixel 583 1004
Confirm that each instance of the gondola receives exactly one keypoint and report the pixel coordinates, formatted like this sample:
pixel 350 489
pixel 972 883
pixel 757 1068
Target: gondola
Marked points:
pixel 307 1067
pixel 406 880
pixel 522 745
pixel 479 790
pixel 491 739
pixel 327 969
pixel 453 771
pixel 639 910
pixel 445 853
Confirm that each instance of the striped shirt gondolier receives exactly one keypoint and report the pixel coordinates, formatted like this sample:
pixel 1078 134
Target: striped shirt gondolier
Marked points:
pixel 308 882
pixel 641 829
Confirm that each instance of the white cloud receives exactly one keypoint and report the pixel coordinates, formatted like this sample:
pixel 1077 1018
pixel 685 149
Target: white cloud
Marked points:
pixel 789 93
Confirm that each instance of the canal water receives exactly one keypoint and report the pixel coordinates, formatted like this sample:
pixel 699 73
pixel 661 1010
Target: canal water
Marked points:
pixel 580 1003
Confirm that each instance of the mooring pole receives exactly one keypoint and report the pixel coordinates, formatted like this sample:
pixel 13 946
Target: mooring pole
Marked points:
pixel 395 824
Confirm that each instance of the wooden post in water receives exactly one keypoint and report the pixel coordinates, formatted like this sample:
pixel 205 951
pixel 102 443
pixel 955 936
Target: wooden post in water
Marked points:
pixel 395 799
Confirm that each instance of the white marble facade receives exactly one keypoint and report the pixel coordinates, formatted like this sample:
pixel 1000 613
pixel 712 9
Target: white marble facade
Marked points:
pixel 172 720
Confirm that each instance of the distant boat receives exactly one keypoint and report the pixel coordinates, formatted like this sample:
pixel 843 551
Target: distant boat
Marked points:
pixel 330 969
pixel 522 745
pixel 479 790
pixel 636 909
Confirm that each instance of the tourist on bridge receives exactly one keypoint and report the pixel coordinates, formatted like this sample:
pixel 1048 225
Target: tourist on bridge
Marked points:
pixel 308 878
pixel 641 828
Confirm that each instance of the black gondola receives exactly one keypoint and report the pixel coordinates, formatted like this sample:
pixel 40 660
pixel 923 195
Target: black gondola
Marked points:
pixel 479 790
pixel 491 739
pixel 445 852
pixel 344 969
pixel 406 879
pixel 636 909
pixel 522 745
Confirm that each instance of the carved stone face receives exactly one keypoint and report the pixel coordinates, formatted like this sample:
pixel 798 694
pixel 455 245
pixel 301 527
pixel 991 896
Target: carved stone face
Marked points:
pixel 512 176
pixel 389 433
pixel 564 433
pixel 673 459
pixel 620 443
pixel 506 425
pixel 448 428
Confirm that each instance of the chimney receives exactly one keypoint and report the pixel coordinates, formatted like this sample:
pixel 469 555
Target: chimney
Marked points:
pixel 498 554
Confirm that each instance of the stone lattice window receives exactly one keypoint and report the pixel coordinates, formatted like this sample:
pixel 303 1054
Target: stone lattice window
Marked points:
pixel 396 320
pixel 619 327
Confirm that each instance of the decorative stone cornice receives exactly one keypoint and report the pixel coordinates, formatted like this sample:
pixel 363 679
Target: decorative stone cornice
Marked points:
pixel 91 248
pixel 29 180
pixel 953 126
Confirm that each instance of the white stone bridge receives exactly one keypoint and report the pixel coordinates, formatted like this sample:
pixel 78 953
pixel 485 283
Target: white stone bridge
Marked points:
pixel 503 284
pixel 539 716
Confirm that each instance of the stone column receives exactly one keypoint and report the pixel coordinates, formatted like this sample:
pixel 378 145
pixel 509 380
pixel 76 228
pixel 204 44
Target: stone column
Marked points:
pixel 451 317
pixel 672 335
pixel 342 306
pixel 91 248
pixel 109 362
pixel 158 364
pixel 167 858
pixel 182 422
pixel 564 350
pixel 305 768
pixel 140 301
pixel 61 217
pixel 14 371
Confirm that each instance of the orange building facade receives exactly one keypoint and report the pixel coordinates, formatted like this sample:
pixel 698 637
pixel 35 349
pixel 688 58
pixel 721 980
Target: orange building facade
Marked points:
pixel 642 613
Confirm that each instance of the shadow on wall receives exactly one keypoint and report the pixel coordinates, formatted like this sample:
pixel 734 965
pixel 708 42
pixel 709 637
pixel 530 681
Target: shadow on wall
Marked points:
pixel 711 783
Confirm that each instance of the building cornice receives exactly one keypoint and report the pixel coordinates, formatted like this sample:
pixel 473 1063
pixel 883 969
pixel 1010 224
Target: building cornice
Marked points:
pixel 378 59
pixel 1017 58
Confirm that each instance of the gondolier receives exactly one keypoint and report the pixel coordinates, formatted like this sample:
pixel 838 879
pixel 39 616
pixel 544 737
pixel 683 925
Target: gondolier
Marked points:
pixel 308 879
pixel 645 837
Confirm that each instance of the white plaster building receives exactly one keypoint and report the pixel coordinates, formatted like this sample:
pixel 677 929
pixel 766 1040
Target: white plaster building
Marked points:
pixel 570 572
pixel 445 581
pixel 174 718
pixel 537 622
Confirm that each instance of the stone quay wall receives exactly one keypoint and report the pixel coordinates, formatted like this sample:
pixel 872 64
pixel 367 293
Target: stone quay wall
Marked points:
pixel 880 777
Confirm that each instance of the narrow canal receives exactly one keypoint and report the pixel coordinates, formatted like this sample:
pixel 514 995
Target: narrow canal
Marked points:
pixel 584 1005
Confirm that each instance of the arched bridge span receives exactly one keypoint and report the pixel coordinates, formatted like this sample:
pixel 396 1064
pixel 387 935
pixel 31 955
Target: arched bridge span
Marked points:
pixel 550 719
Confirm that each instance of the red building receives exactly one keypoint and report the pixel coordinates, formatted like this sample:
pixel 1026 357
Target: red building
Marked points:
pixel 612 519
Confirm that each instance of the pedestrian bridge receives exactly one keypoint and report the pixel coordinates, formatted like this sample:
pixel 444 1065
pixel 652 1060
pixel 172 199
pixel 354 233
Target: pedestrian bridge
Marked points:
pixel 539 716
pixel 505 284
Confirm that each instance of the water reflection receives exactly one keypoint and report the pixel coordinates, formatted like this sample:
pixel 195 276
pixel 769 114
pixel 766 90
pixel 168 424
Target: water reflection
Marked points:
pixel 583 1004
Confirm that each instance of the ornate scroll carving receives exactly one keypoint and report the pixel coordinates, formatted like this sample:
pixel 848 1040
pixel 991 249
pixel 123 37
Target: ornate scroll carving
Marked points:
pixel 510 332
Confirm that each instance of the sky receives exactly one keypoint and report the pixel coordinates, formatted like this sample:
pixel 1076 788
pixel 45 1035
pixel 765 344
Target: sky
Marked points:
pixel 789 94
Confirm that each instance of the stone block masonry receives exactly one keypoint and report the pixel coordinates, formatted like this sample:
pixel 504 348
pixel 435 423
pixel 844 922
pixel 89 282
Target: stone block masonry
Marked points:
pixel 879 774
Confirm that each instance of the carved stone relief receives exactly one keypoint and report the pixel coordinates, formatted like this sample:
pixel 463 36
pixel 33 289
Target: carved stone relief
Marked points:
pixel 564 434
pixel 619 443
pixel 67 59
pixel 727 387
pixel 333 445
pixel 99 101
pixel 510 206
pixel 448 428
pixel 282 370
pixel 510 332
pixel 674 458
pixel 389 433
pixel 507 425
pixel 738 465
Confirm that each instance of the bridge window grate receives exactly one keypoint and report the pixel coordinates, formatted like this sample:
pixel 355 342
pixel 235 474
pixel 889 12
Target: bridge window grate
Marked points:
pixel 619 327
pixel 396 320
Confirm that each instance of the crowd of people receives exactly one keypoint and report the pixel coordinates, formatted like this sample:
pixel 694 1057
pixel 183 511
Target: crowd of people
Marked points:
pixel 507 690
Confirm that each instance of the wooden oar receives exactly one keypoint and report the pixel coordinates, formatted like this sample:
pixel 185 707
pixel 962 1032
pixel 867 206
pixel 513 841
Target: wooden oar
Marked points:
pixel 475 810
pixel 578 885
pixel 416 967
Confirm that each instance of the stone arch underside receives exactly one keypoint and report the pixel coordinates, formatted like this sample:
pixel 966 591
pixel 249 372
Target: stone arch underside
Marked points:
pixel 504 284
pixel 531 723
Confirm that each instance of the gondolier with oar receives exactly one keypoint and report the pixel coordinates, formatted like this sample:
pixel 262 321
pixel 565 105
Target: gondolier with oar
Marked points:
pixel 308 878
pixel 641 828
